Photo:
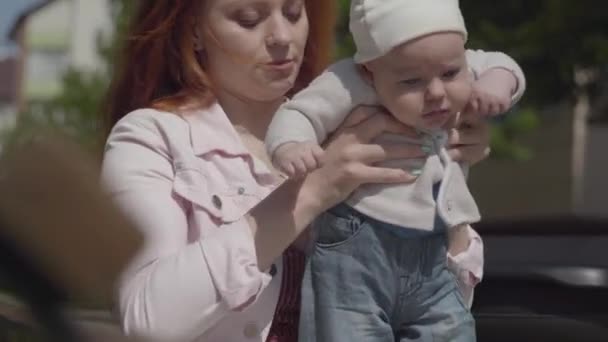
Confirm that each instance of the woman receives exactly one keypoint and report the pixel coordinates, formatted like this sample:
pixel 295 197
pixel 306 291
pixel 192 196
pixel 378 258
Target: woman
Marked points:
pixel 189 108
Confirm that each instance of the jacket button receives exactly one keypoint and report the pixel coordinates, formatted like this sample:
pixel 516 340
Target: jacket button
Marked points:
pixel 241 190
pixel 217 202
pixel 251 330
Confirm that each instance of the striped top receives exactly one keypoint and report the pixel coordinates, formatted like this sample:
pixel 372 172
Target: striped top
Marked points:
pixel 286 318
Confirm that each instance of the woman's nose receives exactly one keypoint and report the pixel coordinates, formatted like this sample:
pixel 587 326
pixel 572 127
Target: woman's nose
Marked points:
pixel 279 33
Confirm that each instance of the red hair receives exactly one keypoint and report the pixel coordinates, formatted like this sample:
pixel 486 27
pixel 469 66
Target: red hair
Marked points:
pixel 159 67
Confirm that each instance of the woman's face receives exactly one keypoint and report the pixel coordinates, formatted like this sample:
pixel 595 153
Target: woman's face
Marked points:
pixel 253 49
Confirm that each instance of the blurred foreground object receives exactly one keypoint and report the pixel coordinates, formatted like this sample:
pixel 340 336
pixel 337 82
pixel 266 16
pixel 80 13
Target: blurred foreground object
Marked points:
pixel 61 238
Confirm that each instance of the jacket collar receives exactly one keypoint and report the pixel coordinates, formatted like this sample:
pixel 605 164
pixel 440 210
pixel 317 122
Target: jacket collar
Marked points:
pixel 212 131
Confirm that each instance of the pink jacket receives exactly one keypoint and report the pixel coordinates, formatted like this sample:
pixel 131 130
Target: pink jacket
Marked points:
pixel 187 181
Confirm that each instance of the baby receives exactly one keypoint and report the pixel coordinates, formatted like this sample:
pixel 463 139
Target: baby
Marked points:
pixel 379 265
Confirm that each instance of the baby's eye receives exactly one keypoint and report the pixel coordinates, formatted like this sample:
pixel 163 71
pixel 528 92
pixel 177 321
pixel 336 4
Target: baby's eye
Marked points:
pixel 410 81
pixel 451 73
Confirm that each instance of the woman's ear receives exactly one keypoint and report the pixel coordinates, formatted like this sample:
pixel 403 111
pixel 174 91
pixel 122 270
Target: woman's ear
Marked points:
pixel 365 74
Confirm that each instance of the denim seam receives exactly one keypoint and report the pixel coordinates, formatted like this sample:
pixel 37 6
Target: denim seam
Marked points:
pixel 352 221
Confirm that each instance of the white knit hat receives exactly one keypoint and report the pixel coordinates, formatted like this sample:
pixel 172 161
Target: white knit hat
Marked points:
pixel 378 26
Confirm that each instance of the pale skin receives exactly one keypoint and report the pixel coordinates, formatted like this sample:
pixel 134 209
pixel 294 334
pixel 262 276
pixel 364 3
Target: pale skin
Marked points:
pixel 423 83
pixel 252 74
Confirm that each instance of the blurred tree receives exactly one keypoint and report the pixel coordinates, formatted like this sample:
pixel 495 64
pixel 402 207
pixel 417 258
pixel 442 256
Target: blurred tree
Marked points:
pixel 75 110
pixel 549 38
pixel 345 46
pixel 562 47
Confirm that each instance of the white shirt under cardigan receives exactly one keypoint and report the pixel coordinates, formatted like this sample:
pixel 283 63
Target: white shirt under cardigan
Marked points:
pixel 320 108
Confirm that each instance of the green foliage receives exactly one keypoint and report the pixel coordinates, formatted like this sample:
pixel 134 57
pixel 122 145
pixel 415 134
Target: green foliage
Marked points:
pixel 121 11
pixel 75 111
pixel 504 138
pixel 546 37
pixel 345 46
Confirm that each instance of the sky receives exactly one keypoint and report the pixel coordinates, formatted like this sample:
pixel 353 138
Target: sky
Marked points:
pixel 9 12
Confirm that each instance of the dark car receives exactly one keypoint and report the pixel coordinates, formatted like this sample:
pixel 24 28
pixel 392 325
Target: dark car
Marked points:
pixel 545 280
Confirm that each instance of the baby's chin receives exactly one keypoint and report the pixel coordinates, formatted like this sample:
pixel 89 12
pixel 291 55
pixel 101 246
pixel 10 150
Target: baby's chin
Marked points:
pixel 435 122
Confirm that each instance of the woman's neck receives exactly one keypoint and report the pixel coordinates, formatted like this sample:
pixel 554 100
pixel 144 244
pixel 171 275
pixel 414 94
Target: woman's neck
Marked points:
pixel 251 116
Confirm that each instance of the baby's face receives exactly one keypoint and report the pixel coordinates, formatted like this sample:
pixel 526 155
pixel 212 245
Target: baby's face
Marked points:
pixel 425 82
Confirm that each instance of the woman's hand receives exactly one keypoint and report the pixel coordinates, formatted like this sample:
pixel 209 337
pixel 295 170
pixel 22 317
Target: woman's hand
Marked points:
pixel 470 140
pixel 348 161
pixel 350 157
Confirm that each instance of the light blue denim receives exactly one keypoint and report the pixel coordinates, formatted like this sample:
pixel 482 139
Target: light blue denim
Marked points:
pixel 366 280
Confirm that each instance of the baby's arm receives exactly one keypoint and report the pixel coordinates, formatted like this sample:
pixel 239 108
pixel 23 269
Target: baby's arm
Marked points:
pixel 498 84
pixel 303 123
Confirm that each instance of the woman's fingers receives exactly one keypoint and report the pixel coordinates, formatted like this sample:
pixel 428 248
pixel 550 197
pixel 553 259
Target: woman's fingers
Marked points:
pixel 374 153
pixel 360 114
pixel 350 158
pixel 470 140
pixel 366 123
pixel 469 153
pixel 376 125
pixel 472 129
pixel 380 175
pixel 495 109
pixel 475 105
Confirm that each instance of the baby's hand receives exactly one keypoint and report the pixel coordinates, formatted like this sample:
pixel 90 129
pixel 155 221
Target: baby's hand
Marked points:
pixel 490 96
pixel 296 159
